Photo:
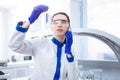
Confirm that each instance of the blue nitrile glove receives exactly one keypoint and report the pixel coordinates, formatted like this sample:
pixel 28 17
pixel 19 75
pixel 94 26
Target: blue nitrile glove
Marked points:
pixel 36 12
pixel 69 41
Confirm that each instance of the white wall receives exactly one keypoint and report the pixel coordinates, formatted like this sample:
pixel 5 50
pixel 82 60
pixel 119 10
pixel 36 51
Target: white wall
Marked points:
pixel 5 23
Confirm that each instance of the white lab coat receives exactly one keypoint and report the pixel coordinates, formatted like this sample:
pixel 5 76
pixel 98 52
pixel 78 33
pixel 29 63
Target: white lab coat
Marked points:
pixel 44 52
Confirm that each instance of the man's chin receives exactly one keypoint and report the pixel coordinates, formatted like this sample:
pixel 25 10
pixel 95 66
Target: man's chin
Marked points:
pixel 60 34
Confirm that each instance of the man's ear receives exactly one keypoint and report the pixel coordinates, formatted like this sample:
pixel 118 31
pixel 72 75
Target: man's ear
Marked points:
pixel 68 27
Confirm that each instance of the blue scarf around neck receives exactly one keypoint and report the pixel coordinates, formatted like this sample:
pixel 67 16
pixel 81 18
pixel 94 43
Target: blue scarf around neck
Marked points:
pixel 59 51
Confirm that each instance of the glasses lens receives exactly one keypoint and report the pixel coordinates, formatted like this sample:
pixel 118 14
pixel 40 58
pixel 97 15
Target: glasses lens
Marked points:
pixel 60 21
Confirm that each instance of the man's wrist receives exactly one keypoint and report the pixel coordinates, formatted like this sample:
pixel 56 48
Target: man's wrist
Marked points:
pixel 26 24
pixel 20 28
pixel 70 57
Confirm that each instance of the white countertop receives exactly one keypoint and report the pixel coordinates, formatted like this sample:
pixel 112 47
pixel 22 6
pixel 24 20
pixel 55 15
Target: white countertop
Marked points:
pixel 23 63
pixel 18 64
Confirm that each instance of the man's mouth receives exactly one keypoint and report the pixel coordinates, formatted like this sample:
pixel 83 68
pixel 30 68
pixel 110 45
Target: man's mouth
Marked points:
pixel 59 30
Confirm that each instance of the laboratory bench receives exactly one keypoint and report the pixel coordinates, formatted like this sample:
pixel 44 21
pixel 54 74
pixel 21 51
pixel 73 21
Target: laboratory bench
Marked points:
pixel 17 70
pixel 99 70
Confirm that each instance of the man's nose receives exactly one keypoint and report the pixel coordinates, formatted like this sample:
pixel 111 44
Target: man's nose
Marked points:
pixel 59 24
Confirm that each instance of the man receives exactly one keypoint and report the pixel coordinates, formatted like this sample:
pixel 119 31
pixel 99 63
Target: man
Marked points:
pixel 53 58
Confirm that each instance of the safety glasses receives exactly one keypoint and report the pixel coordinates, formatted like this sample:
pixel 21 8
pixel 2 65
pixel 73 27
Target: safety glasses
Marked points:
pixel 55 22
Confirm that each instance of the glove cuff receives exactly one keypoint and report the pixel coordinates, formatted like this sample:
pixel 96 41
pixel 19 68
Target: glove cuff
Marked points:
pixel 31 20
pixel 68 51
pixel 19 28
pixel 70 59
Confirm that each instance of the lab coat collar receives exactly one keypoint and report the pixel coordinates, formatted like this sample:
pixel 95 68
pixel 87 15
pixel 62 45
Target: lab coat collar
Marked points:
pixel 59 44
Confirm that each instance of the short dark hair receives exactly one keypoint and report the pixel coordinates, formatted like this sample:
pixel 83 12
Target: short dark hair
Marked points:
pixel 63 13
